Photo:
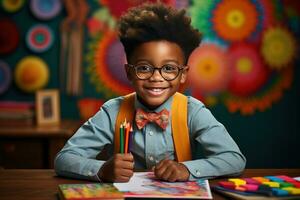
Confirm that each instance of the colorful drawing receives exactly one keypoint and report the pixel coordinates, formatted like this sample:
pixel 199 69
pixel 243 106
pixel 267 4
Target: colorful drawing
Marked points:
pixel 145 185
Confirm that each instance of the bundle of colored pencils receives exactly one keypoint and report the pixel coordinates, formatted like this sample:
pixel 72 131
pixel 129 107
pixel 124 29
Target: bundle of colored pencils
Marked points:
pixel 126 137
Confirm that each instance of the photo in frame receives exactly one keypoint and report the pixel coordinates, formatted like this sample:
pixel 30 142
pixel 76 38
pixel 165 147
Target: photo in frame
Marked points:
pixel 48 107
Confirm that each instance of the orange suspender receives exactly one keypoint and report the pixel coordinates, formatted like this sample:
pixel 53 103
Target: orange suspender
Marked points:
pixel 126 111
pixel 180 128
pixel 179 124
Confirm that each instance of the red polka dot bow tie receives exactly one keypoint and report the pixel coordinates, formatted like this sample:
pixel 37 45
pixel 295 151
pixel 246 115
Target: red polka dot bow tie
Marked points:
pixel 161 118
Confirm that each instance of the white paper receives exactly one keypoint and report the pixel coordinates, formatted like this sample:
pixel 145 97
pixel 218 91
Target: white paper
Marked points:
pixel 146 185
pixel 134 184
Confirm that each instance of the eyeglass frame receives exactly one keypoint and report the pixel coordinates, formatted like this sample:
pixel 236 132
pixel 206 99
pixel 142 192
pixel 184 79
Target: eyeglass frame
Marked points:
pixel 180 68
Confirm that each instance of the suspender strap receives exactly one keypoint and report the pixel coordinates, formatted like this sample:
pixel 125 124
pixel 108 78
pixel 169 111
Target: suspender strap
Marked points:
pixel 179 124
pixel 180 128
pixel 126 111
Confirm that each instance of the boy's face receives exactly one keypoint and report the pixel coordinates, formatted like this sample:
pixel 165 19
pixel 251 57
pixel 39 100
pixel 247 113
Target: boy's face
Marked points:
pixel 155 90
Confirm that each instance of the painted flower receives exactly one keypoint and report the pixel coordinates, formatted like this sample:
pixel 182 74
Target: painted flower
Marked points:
pixel 278 47
pixel 107 72
pixel 235 20
pixel 200 13
pixel 248 106
pixel 209 71
pixel 249 73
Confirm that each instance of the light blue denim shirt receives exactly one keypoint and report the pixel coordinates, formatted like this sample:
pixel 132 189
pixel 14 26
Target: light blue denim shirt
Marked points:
pixel 214 151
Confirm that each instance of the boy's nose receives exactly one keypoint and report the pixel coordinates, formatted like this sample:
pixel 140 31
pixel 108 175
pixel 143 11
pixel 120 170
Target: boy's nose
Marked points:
pixel 156 75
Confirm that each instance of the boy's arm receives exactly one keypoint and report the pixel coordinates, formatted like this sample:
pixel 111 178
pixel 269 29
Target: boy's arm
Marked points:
pixel 221 155
pixel 78 157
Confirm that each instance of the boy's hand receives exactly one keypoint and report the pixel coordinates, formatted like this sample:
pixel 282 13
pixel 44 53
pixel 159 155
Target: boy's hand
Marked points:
pixel 119 168
pixel 170 170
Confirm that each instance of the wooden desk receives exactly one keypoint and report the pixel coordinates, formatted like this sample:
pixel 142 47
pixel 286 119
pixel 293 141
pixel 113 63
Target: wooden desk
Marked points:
pixel 33 146
pixel 43 184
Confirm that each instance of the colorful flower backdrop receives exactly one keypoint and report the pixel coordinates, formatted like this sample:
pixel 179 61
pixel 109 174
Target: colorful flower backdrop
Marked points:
pixel 245 60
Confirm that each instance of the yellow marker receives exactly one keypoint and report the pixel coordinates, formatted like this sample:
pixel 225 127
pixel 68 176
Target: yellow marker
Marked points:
pixel 272 184
pixel 237 181
pixel 292 190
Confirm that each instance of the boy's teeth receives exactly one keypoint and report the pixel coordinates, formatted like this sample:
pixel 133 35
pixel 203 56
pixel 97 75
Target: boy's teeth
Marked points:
pixel 156 89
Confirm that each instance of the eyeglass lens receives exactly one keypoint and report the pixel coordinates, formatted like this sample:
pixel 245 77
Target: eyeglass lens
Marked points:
pixel 168 72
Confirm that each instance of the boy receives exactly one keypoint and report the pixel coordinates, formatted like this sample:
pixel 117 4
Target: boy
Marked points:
pixel 158 41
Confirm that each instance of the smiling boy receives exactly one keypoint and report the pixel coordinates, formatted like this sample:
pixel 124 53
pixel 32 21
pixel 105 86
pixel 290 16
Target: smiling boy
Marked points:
pixel 158 41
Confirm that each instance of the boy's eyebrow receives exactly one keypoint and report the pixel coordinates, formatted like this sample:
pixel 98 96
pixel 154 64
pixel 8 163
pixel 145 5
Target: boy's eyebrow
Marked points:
pixel 142 60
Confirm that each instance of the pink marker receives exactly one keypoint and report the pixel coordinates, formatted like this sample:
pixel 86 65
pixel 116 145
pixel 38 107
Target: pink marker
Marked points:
pixel 251 181
pixel 286 178
pixel 250 187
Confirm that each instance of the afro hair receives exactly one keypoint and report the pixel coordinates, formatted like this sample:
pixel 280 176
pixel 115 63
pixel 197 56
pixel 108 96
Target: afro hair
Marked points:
pixel 155 22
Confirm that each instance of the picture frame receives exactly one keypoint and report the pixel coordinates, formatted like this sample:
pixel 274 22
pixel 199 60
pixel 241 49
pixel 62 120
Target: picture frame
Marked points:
pixel 48 107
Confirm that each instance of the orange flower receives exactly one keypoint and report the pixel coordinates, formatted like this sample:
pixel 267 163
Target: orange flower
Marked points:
pixel 235 20
pixel 209 71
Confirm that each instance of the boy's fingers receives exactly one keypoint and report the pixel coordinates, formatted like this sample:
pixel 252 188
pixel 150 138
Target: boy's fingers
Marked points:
pixel 126 173
pixel 173 177
pixel 127 165
pixel 123 179
pixel 124 164
pixel 160 171
pixel 166 175
pixel 124 158
pixel 169 171
pixel 160 164
pixel 127 157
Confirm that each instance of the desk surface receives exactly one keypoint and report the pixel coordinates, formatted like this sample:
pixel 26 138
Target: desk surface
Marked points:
pixel 43 184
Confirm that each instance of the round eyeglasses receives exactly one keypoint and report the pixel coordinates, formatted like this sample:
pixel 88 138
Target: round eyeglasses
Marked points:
pixel 168 72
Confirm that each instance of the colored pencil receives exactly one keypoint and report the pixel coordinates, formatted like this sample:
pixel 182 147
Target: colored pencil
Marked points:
pixel 130 139
pixel 121 138
pixel 127 128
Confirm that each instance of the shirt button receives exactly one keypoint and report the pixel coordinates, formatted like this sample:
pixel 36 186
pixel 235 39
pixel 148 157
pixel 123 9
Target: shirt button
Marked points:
pixel 198 173
pixel 150 158
pixel 150 133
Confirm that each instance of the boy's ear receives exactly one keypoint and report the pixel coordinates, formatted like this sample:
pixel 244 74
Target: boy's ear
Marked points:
pixel 127 70
pixel 184 75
